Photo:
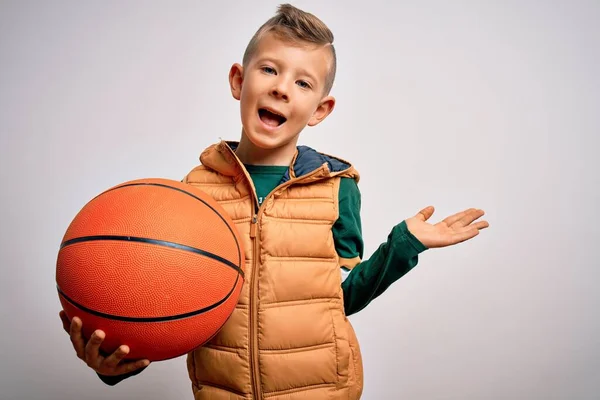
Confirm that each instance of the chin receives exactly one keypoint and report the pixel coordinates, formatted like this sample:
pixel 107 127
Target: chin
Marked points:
pixel 265 141
pixel 267 138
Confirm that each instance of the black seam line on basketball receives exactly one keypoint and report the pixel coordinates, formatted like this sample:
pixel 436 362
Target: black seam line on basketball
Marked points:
pixel 189 194
pixel 150 319
pixel 157 242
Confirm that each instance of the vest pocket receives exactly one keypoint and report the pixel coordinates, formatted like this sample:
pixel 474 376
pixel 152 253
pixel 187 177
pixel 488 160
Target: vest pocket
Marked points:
pixel 355 381
pixel 343 353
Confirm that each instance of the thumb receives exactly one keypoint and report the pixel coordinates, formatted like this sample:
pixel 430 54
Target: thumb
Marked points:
pixel 65 321
pixel 425 213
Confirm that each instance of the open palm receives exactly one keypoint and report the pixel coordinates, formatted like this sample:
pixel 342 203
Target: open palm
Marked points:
pixel 452 230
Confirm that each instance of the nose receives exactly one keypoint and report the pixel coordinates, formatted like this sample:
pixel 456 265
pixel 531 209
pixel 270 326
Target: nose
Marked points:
pixel 280 90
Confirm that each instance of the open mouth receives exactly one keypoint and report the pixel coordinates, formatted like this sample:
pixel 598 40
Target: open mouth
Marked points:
pixel 270 118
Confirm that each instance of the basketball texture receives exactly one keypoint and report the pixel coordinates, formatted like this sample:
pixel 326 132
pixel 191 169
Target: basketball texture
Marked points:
pixel 156 264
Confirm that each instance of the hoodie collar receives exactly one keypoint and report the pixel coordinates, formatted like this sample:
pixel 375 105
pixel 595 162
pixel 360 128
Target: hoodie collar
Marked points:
pixel 221 158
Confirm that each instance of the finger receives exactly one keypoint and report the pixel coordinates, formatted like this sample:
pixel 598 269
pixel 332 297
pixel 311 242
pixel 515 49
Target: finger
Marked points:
pixel 115 358
pixel 470 216
pixel 92 349
pixel 470 231
pixel 425 213
pixel 455 217
pixel 65 321
pixel 132 366
pixel 481 225
pixel 77 338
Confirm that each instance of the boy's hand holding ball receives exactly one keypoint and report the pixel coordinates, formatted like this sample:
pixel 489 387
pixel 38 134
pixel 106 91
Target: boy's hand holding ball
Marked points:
pixel 89 351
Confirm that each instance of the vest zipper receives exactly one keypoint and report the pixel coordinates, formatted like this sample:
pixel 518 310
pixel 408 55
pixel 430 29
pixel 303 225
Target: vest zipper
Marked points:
pixel 253 312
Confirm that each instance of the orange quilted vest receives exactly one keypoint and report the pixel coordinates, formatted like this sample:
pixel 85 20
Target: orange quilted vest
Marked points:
pixel 288 337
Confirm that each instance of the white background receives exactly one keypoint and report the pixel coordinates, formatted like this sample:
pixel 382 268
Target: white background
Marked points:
pixel 456 104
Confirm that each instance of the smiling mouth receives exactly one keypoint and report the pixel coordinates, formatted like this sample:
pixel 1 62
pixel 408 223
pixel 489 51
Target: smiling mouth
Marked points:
pixel 270 118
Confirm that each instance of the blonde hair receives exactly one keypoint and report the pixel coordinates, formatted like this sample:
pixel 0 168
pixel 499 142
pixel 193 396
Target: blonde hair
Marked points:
pixel 294 25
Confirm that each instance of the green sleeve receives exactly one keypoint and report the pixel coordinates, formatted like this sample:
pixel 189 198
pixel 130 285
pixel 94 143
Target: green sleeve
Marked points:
pixel 113 380
pixel 347 230
pixel 393 259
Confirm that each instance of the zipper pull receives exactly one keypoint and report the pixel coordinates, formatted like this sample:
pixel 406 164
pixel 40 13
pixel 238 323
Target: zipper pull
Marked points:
pixel 253 226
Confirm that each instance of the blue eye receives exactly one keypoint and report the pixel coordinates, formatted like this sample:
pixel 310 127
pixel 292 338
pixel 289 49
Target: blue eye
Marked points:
pixel 268 70
pixel 303 84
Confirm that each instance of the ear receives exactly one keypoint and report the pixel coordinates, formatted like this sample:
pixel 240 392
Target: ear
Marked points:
pixel 236 78
pixel 323 110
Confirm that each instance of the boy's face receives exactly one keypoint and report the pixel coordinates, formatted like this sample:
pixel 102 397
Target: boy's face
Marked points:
pixel 281 90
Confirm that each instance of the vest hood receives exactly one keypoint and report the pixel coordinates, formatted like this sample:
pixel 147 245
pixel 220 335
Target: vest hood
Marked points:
pixel 221 158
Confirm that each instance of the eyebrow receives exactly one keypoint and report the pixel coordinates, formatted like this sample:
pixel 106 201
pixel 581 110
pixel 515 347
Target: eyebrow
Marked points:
pixel 302 71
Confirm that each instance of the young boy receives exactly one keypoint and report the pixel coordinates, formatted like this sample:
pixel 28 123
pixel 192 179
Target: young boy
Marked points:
pixel 299 214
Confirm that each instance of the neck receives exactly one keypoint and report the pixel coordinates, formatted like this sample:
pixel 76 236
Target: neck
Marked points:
pixel 249 153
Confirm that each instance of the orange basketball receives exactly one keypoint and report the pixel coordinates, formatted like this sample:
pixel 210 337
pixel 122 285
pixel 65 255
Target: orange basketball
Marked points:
pixel 156 264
